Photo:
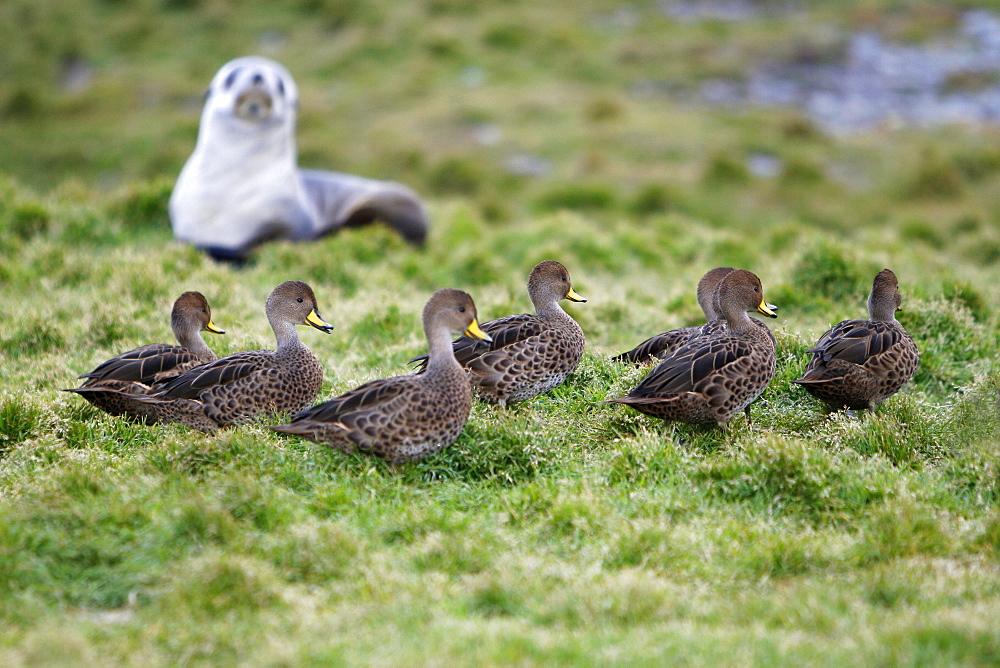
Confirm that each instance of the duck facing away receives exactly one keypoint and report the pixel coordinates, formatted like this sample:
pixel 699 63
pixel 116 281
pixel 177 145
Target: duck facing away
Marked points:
pixel 657 347
pixel 405 417
pixel 713 376
pixel 137 370
pixel 529 353
pixel 858 363
pixel 233 389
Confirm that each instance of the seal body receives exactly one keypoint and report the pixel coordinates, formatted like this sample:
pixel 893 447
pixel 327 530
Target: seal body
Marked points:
pixel 242 185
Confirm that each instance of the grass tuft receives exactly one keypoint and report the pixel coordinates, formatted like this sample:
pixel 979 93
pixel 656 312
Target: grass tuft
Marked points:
pixel 21 418
pixel 576 197
pixel 903 529
pixel 826 272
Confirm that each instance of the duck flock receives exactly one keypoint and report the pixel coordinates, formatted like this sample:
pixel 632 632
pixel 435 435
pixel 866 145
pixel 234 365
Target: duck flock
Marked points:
pixel 702 375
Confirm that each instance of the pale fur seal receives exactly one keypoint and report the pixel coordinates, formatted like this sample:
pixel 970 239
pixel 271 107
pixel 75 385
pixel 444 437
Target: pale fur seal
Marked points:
pixel 242 185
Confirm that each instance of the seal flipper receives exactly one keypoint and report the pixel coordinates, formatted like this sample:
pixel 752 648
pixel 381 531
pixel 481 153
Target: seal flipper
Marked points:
pixel 345 200
pixel 233 256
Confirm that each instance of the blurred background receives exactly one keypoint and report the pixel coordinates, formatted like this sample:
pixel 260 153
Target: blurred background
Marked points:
pixel 729 112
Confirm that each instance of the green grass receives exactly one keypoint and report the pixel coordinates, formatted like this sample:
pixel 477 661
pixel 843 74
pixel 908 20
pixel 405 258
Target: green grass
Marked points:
pixel 559 531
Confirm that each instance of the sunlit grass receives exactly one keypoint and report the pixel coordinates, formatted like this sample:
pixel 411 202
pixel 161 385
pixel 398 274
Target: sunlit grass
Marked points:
pixel 544 520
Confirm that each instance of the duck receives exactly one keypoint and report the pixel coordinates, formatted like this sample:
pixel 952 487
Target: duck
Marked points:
pixel 719 373
pixel 235 388
pixel 138 370
pixel 857 364
pixel 529 353
pixel 656 347
pixel 404 418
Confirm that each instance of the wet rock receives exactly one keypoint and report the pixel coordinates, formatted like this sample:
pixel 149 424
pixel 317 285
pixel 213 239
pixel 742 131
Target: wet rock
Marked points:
pixel 882 84
pixel 525 164
pixel 486 134
pixel 765 165
pixel 714 10
pixel 75 74
pixel 873 84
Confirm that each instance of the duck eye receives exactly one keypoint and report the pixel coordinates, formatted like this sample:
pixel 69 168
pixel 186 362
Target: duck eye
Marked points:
pixel 299 300
pixel 461 309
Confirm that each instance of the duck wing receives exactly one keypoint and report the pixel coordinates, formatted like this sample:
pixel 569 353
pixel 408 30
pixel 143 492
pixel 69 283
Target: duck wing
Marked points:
pixel 692 365
pixel 656 347
pixel 504 331
pixel 191 383
pixel 144 364
pixel 373 394
pixel 855 341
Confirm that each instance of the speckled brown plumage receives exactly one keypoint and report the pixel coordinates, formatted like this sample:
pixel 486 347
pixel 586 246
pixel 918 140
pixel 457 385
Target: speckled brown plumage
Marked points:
pixel 138 370
pixel 657 347
pixel 233 389
pixel 713 376
pixel 858 363
pixel 530 354
pixel 405 417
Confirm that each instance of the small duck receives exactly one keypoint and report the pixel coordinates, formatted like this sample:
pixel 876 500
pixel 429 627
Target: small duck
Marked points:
pixel 529 353
pixel 713 376
pixel 405 417
pixel 657 347
pixel 139 369
pixel 233 389
pixel 858 363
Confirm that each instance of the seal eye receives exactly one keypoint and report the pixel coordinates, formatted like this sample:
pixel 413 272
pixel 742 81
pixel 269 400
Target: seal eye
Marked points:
pixel 231 79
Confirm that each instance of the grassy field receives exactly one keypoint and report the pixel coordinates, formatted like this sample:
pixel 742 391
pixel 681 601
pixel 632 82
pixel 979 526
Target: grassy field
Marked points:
pixel 559 531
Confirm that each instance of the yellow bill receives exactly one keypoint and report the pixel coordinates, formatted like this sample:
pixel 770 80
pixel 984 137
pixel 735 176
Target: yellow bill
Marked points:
pixel 474 331
pixel 767 309
pixel 316 321
pixel 212 327
pixel 574 296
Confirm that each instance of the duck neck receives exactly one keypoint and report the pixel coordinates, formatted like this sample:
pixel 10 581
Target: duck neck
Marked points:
pixel 550 310
pixel 192 342
pixel 881 310
pixel 440 354
pixel 287 337
pixel 707 307
pixel 738 321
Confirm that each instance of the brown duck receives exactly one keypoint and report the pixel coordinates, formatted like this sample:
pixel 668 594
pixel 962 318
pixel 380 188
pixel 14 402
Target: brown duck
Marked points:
pixel 529 353
pixel 713 376
pixel 858 363
pixel 405 417
pixel 136 371
pixel 657 347
pixel 233 389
